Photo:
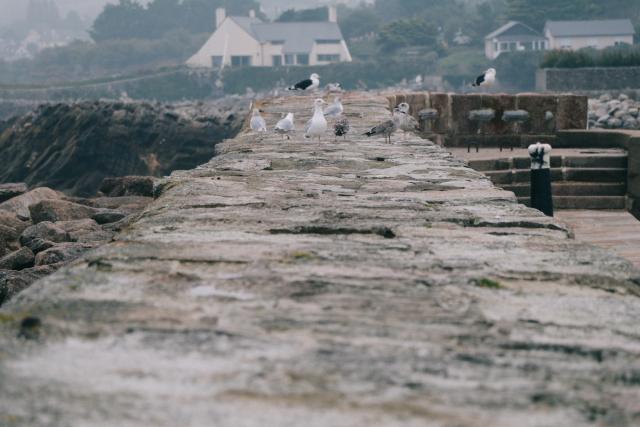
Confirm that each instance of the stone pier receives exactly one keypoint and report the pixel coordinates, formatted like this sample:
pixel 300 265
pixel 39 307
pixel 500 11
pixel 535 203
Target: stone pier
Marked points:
pixel 343 284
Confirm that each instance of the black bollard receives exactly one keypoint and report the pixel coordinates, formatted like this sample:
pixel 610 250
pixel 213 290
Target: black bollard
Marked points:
pixel 541 195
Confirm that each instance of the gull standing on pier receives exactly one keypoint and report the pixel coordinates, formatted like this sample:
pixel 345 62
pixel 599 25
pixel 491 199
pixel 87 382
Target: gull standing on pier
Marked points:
pixel 387 128
pixel 341 128
pixel 308 85
pixel 486 79
pixel 317 126
pixel 334 110
pixel 286 126
pixel 406 122
pixel 258 124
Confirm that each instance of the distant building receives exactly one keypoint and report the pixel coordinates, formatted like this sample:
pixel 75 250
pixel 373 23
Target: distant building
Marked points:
pixel 513 37
pixel 574 35
pixel 247 41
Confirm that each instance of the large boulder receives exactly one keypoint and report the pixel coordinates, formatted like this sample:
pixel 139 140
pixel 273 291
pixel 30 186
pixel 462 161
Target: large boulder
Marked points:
pixel 128 186
pixel 59 210
pixel 62 253
pixel 13 282
pixel 19 205
pixel 9 191
pixel 46 231
pixel 12 221
pixel 18 260
pixel 85 231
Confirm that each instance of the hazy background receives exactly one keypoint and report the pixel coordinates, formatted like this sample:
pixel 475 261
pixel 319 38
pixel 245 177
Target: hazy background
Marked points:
pixel 139 48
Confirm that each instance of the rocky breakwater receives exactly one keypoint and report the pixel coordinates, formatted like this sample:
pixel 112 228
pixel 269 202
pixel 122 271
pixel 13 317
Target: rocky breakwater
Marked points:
pixel 73 147
pixel 608 113
pixel 344 284
pixel 42 230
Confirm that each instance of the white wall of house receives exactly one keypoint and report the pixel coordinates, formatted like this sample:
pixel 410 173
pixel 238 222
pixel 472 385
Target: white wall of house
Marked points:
pixel 575 43
pixel 228 41
pixel 323 54
pixel 494 47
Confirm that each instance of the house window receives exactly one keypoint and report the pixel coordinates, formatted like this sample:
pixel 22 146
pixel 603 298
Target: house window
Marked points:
pixel 303 59
pixel 329 58
pixel 513 46
pixel 289 59
pixel 277 60
pixel 328 41
pixel 277 42
pixel 504 46
pixel 240 61
pixel 216 61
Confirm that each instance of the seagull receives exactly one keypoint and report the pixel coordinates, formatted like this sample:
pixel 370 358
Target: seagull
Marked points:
pixel 286 126
pixel 258 124
pixel 486 79
pixel 334 87
pixel 334 110
pixel 317 125
pixel 308 85
pixel 387 128
pixel 341 128
pixel 406 122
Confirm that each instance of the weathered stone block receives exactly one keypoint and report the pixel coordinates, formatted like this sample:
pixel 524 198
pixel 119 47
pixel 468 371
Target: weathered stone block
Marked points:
pixel 537 105
pixel 441 103
pixel 572 112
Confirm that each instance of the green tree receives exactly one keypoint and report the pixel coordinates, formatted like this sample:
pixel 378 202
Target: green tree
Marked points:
pixel 305 15
pixel 407 32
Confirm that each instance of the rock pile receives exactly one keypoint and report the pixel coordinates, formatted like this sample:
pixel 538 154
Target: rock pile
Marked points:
pixel 42 229
pixel 73 147
pixel 609 113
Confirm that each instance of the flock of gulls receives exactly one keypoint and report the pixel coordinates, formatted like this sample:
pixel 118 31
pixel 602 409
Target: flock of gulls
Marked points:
pixel 317 126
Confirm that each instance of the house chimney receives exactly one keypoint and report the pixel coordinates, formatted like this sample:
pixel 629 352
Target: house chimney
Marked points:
pixel 333 14
pixel 221 14
pixel 252 13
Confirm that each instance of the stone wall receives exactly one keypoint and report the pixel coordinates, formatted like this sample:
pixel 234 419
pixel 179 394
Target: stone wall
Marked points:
pixel 453 127
pixel 588 79
pixel 625 139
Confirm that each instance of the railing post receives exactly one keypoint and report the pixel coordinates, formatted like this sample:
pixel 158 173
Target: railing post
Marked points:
pixel 541 195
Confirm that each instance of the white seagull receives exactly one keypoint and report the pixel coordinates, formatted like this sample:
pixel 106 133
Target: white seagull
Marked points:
pixel 334 110
pixel 334 88
pixel 486 79
pixel 286 126
pixel 317 126
pixel 258 124
pixel 308 85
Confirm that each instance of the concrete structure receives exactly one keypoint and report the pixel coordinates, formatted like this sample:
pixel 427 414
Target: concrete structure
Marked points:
pixel 547 114
pixel 342 284
pixel 588 79
pixel 574 35
pixel 247 41
pixel 513 37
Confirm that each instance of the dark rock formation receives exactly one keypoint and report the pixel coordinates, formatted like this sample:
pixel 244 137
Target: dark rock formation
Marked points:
pixel 18 260
pixel 73 147
pixel 9 191
pixel 62 253
pixel 128 186
pixel 46 231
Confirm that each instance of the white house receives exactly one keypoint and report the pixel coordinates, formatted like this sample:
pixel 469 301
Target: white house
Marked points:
pixel 513 37
pixel 247 41
pixel 574 35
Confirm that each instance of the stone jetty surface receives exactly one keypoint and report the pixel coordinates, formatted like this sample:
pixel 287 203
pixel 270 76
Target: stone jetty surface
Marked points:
pixel 349 283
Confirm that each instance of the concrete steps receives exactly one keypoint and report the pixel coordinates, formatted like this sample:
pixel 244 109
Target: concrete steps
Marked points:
pixel 582 180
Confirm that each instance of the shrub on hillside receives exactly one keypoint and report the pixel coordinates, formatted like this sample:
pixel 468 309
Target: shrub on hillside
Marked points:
pixel 620 56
